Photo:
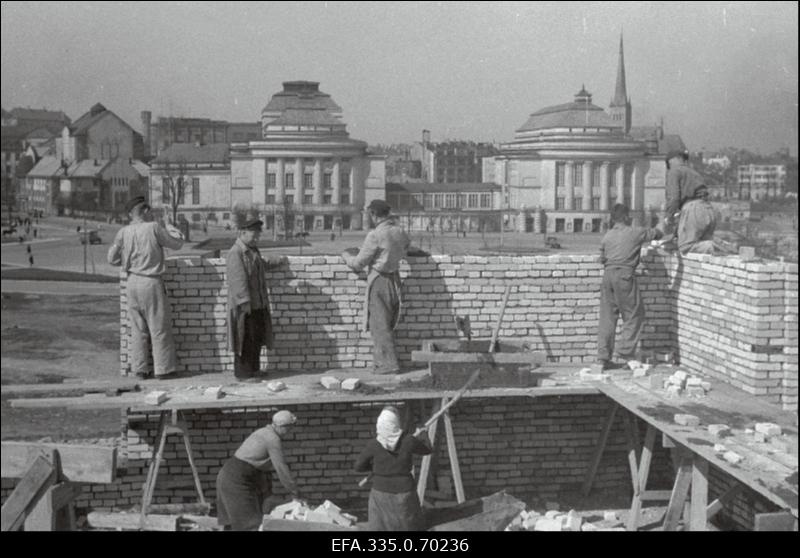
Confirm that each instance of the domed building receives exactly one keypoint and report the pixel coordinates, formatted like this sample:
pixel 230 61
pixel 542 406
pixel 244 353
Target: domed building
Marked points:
pixel 568 164
pixel 306 173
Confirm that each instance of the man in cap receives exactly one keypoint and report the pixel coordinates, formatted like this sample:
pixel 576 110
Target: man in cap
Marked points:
pixel 681 183
pixel 139 249
pixel 620 251
pixel 249 319
pixel 383 248
pixel 244 483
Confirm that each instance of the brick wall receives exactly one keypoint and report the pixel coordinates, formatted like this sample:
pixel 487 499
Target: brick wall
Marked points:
pixel 534 448
pixel 729 319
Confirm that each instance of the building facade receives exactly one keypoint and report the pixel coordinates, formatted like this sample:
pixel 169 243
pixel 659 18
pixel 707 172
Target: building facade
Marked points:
pixel 569 164
pixel 756 182
pixel 166 130
pixel 440 207
pixel 451 161
pixel 305 173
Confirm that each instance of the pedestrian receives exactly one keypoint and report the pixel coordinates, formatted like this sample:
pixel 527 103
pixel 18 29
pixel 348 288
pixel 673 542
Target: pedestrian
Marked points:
pixel 78 229
pixel 383 248
pixel 35 232
pixel 389 458
pixel 620 251
pixel 30 260
pixel 249 318
pixel 29 249
pixel 681 183
pixel 139 249
pixel 697 224
pixel 244 483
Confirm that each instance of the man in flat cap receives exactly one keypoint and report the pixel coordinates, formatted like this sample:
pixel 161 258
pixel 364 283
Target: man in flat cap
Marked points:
pixel 383 248
pixel 244 483
pixel 682 182
pixel 139 249
pixel 249 319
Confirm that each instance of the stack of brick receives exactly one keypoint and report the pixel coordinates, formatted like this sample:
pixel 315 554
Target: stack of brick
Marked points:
pixel 681 383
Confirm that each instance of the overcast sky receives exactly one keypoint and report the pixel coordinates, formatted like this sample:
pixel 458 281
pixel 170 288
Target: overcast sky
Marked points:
pixel 719 73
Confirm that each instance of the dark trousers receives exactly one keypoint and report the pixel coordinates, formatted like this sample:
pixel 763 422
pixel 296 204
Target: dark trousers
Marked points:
pixel 248 364
pixel 241 492
pixel 619 294
pixel 384 304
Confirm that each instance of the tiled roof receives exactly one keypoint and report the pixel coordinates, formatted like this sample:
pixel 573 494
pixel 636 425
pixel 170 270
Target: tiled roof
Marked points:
pixel 429 187
pixel 191 153
pixel 568 115
pixel 47 166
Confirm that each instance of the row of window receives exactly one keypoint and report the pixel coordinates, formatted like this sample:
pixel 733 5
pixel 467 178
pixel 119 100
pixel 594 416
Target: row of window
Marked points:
pixel 457 200
pixel 308 199
pixel 577 204
pixel 308 180
pixel 577 174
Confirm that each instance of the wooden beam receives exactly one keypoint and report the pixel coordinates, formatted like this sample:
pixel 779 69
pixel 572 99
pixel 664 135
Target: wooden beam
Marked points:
pixel 425 466
pixel 656 495
pixel 716 506
pixel 779 521
pixel 54 510
pixel 41 475
pixel 600 447
pixel 453 455
pixel 698 518
pixel 679 493
pixel 644 473
pixel 132 521
pixel 78 387
pixel 92 464
pixel 535 357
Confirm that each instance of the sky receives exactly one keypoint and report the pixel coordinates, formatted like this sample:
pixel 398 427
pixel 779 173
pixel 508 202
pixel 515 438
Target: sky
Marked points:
pixel 718 73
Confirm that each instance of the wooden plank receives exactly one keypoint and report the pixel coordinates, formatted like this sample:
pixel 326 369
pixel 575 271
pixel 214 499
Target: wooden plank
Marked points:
pixel 54 510
pixel 453 455
pixel 632 463
pixel 41 475
pixel 641 481
pixel 779 521
pixel 656 495
pixel 666 441
pixel 131 521
pixel 425 465
pixel 698 516
pixel 716 506
pixel 496 330
pixel 93 464
pixel 78 387
pixel 190 508
pixel 679 493
pixel 534 357
pixel 600 447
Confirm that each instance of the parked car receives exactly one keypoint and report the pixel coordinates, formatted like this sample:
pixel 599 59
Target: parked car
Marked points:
pixel 552 242
pixel 93 236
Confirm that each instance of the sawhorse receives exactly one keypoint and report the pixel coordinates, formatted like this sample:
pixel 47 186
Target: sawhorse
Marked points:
pixel 169 423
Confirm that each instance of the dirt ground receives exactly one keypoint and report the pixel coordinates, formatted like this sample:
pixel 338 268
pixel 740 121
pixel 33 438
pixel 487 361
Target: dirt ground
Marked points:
pixel 50 338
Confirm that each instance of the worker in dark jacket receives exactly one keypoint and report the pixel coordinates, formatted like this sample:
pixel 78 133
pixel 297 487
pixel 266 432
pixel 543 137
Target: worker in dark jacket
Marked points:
pixel 249 319
pixel 244 483
pixel 620 250
pixel 393 501
pixel 681 184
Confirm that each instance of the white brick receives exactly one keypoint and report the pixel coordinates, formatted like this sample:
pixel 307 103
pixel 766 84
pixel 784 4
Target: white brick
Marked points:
pixel 769 429
pixel 732 457
pixel 351 384
pixel 687 420
pixel 330 382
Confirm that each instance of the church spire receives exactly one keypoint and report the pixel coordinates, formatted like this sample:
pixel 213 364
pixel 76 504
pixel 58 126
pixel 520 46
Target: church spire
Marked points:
pixel 621 93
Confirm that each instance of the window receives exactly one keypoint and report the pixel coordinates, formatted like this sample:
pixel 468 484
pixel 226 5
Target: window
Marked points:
pixel 577 204
pixel 344 179
pixel 595 205
pixel 326 199
pixel 308 199
pixel 560 203
pixel 226 216
pixel 561 169
pixel 438 201
pixel 560 225
pixel 289 199
pixel 271 180
pixel 577 175
pixel 596 175
pixel 472 200
pixel 195 191
pixel 165 189
pixel 196 217
pixel 308 180
pixel 289 181
pixel 270 198
pixel 486 201
pixel 344 199
pixel 181 191
pixel 327 180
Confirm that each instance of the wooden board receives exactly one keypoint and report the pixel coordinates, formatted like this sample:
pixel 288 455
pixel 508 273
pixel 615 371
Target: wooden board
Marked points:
pixel 70 388
pixel 40 476
pixel 131 521
pixel 94 464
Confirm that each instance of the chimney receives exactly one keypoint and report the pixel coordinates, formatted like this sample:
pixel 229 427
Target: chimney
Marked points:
pixel 147 118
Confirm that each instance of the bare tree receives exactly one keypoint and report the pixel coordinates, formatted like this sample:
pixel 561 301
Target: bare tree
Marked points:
pixel 174 181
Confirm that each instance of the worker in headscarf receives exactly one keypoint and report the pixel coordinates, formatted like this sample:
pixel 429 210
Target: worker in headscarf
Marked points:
pixel 244 483
pixel 383 248
pixel 697 224
pixel 139 249
pixel 393 501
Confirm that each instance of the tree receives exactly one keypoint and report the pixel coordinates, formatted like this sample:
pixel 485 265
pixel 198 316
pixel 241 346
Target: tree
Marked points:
pixel 174 181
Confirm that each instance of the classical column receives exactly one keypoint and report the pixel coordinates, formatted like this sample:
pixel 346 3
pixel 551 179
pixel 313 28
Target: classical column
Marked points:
pixel 259 177
pixel 620 180
pixel 604 194
pixel 569 188
pixel 336 182
pixel 280 181
pixel 352 180
pixel 587 186
pixel 317 182
pixel 299 186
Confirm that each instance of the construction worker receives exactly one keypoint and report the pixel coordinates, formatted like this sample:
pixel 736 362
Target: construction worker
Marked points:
pixel 393 502
pixel 697 224
pixel 249 319
pixel 620 250
pixel 139 249
pixel 681 184
pixel 383 248
pixel 244 483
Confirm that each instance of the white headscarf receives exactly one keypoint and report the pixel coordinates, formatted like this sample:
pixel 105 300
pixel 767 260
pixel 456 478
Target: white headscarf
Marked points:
pixel 388 428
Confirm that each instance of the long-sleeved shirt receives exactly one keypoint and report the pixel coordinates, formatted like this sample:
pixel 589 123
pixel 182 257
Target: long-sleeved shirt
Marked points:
pixel 391 470
pixel 263 447
pixel 622 245
pixel 682 182
pixel 139 248
pixel 383 248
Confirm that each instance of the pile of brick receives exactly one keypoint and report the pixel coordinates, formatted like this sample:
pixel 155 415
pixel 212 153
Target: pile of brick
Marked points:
pixel 558 521
pixel 327 512
pixel 681 383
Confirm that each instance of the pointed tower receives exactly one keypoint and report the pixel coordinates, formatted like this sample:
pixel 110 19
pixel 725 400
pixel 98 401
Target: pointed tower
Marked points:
pixel 620 106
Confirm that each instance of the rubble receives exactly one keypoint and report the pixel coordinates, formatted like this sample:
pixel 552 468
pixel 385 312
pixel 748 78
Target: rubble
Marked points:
pixel 573 521
pixel 327 512
pixel 548 525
